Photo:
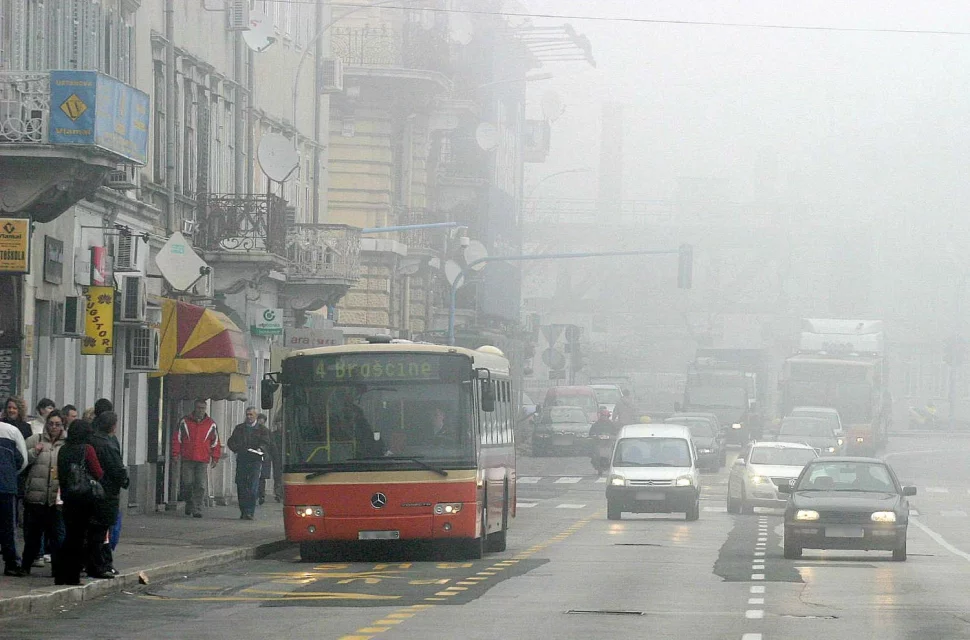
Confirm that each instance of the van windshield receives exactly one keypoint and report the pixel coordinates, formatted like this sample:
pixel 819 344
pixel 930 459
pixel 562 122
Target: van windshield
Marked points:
pixel 651 452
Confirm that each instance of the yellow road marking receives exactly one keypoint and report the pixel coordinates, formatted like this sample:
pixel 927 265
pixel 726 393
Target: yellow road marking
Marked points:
pixel 385 621
pixel 355 637
pixel 409 614
pixel 446 593
pixel 372 629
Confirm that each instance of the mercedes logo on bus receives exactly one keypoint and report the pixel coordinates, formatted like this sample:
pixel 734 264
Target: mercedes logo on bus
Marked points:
pixel 378 500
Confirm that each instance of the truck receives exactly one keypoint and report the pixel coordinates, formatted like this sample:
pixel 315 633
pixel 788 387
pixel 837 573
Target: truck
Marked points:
pixel 841 364
pixel 727 385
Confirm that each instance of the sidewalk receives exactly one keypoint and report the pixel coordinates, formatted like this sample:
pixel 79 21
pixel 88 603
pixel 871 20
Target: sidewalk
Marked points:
pixel 162 544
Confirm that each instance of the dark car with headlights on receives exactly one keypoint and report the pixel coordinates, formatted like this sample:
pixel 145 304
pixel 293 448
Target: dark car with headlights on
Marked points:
pixel 847 503
pixel 563 430
pixel 708 438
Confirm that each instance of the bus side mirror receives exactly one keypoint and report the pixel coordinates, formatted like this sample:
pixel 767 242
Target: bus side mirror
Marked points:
pixel 267 389
pixel 488 398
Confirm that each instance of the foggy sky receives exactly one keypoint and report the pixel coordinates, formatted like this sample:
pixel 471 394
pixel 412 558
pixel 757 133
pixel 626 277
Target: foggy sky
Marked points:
pixel 871 126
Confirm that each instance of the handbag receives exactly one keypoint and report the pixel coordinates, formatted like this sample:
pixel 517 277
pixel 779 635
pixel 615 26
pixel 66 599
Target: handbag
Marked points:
pixel 79 486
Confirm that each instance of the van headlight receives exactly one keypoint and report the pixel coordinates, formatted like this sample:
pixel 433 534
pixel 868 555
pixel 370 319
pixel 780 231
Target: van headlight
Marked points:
pixel 703 451
pixel 617 481
pixel 830 450
pixel 884 516
pixel 806 515
pixel 683 481
pixel 860 440
pixel 736 425
pixel 841 442
pixel 760 480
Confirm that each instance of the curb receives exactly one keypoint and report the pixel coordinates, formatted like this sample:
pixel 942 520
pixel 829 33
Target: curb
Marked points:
pixel 934 433
pixel 45 598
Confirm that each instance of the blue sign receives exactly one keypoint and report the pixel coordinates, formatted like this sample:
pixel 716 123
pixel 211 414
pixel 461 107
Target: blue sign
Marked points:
pixel 90 108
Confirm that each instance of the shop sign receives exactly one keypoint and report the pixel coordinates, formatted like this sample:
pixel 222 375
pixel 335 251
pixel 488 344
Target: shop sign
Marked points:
pixel 14 245
pixel 99 310
pixel 312 338
pixel 9 372
pixel 53 260
pixel 268 322
pixel 100 267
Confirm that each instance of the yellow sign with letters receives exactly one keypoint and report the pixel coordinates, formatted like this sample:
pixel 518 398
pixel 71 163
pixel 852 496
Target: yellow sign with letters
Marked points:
pixel 14 245
pixel 99 321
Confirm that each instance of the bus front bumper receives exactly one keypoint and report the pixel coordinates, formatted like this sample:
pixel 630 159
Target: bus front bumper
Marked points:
pixel 418 526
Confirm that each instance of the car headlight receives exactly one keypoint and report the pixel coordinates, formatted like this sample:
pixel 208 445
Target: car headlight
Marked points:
pixel 760 480
pixel 841 442
pixel 736 425
pixel 830 450
pixel 617 481
pixel 683 481
pixel 447 508
pixel 884 516
pixel 309 511
pixel 860 440
pixel 703 451
pixel 806 515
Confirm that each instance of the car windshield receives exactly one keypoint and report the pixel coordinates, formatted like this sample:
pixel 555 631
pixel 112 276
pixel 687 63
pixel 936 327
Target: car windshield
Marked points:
pixel 652 452
pixel 699 427
pixel 781 457
pixel 587 402
pixel 804 427
pixel 607 395
pixel 871 477
pixel 829 418
pixel 565 414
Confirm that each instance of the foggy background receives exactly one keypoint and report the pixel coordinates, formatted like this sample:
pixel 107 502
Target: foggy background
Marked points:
pixel 817 172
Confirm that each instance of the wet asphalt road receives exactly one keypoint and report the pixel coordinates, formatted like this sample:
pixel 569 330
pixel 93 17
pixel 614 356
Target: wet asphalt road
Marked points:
pixel 570 573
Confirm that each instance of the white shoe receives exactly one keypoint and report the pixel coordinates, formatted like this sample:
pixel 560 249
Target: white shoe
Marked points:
pixel 39 563
pixel 47 558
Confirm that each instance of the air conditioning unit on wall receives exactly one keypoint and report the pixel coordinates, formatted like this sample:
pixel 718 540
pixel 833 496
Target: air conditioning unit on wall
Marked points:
pixel 144 346
pixel 133 305
pixel 125 256
pixel 331 79
pixel 124 179
pixel 237 15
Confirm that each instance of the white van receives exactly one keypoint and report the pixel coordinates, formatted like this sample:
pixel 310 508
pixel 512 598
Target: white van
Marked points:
pixel 654 470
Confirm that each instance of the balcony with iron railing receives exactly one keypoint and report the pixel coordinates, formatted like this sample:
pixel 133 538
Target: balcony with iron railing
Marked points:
pixel 421 240
pixel 252 223
pixel 41 179
pixel 323 252
pixel 410 46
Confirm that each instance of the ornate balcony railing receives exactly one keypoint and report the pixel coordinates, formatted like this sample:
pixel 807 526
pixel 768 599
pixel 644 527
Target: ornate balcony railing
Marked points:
pixel 411 47
pixel 25 104
pixel 323 251
pixel 249 222
pixel 420 238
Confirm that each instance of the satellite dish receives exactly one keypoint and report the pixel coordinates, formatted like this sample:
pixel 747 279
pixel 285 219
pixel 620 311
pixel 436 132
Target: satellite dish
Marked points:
pixel 452 270
pixel 486 135
pixel 552 107
pixel 277 157
pixel 476 251
pixel 259 36
pixel 460 28
pixel 179 264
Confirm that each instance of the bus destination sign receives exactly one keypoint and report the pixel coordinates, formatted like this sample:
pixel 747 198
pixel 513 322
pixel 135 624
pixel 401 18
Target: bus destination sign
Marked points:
pixel 377 368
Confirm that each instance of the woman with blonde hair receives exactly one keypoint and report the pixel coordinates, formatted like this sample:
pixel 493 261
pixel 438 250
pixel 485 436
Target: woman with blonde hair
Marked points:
pixel 88 414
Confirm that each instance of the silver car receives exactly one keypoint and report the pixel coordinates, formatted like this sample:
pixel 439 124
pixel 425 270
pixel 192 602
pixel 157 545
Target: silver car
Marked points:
pixel 814 432
pixel 760 469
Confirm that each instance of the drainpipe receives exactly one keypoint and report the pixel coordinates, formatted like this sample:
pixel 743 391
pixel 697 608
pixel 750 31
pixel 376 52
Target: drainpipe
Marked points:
pixel 170 113
pixel 242 101
pixel 317 107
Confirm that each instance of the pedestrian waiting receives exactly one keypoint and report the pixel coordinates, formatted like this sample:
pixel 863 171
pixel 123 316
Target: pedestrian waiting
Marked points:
pixel 77 466
pixel 13 459
pixel 43 520
pixel 115 479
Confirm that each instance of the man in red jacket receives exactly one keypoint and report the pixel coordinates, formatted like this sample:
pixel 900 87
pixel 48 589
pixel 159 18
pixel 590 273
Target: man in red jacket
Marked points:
pixel 196 442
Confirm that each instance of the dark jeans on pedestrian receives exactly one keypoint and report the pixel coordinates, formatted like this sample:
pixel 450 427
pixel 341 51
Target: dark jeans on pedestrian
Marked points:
pixel 8 526
pixel 73 555
pixel 247 485
pixel 42 523
pixel 194 476
pixel 98 552
pixel 115 532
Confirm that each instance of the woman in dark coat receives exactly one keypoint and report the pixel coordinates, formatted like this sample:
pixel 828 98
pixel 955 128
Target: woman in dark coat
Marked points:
pixel 115 479
pixel 75 550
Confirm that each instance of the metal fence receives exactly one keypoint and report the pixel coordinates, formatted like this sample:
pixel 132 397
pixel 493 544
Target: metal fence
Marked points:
pixel 25 103
pixel 330 251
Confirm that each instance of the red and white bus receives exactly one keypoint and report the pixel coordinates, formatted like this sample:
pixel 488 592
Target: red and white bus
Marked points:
pixel 396 441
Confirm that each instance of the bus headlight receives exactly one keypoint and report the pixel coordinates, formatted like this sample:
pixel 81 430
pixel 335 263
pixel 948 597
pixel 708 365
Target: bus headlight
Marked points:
pixel 309 511
pixel 806 515
pixel 884 516
pixel 860 440
pixel 447 508
pixel 736 425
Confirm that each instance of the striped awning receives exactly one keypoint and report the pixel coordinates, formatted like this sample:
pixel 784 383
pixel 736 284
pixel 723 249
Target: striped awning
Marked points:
pixel 196 340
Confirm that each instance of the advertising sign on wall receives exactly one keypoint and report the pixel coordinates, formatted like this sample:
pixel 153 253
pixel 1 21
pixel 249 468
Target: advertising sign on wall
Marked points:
pixel 14 245
pixel 99 311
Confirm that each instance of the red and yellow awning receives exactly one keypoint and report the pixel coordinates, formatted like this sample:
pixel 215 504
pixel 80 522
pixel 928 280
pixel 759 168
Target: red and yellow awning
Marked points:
pixel 206 348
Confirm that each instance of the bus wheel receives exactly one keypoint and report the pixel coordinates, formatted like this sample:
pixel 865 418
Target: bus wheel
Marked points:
pixel 475 548
pixel 498 541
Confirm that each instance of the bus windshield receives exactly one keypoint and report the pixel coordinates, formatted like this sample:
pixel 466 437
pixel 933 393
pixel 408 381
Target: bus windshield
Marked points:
pixel 355 410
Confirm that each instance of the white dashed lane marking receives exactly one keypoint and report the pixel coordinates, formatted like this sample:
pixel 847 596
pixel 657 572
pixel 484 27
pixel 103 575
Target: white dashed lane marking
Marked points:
pixel 601 481
pixel 525 505
pixel 954 513
pixel 757 576
pixel 751 636
pixel 754 614
pixel 937 490
pixel 756 600
pixel 527 480
pixel 757 588
pixel 570 506
pixel 569 480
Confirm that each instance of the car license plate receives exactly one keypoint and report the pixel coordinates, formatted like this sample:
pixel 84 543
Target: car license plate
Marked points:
pixel 844 532
pixel 378 535
pixel 562 441
pixel 649 495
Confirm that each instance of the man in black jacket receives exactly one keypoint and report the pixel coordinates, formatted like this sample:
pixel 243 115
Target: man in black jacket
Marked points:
pixel 251 442
pixel 114 480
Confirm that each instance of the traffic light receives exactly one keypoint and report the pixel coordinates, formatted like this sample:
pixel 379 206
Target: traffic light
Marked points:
pixel 685 267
